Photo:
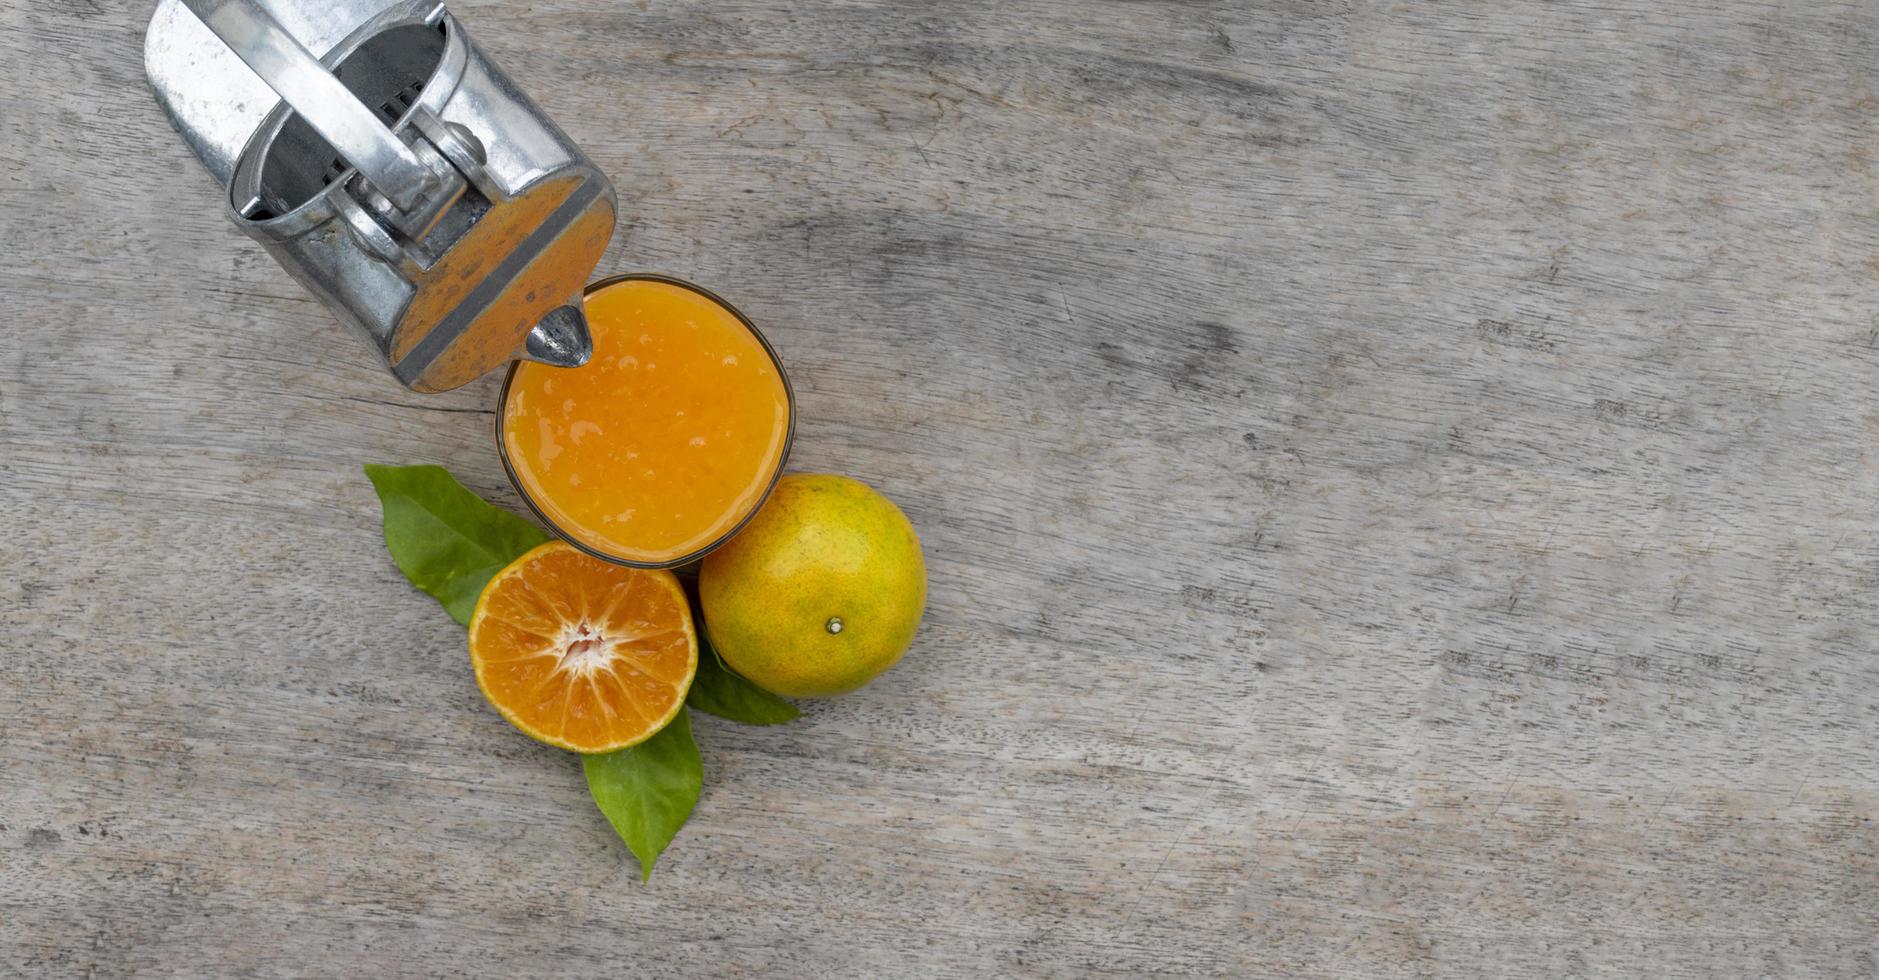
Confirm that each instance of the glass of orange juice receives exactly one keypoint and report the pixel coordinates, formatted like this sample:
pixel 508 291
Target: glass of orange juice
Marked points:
pixel 665 443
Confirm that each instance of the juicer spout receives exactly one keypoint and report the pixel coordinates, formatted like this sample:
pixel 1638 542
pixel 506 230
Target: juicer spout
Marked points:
pixel 561 338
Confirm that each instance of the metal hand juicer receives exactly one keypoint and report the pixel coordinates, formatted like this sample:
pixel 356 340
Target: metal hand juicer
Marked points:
pixel 387 165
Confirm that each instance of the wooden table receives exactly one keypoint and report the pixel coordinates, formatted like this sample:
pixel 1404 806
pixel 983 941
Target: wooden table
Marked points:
pixel 1397 481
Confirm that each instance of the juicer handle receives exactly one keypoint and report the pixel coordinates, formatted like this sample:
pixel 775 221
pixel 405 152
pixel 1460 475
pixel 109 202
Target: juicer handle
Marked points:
pixel 319 97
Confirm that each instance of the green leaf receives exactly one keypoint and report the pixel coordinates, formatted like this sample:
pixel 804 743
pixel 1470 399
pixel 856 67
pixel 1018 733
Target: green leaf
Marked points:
pixel 447 540
pixel 648 791
pixel 721 692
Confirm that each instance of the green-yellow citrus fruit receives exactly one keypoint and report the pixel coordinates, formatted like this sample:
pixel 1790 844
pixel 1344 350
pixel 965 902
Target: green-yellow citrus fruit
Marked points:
pixel 820 592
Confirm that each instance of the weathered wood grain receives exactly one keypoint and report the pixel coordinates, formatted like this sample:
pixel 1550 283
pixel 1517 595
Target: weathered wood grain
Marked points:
pixel 1397 482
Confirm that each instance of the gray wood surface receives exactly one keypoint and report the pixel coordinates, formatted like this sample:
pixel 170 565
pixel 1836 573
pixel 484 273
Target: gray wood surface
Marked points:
pixel 1398 483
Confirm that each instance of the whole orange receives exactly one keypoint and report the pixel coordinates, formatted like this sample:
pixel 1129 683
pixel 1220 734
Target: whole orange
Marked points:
pixel 820 592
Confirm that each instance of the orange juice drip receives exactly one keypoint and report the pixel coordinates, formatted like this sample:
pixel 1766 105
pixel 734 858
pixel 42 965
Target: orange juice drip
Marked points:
pixel 665 440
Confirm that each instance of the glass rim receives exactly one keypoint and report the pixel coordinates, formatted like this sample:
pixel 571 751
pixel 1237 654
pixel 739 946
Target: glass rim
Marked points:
pixel 789 432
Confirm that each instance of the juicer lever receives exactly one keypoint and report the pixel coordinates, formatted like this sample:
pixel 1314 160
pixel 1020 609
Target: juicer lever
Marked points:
pixel 391 166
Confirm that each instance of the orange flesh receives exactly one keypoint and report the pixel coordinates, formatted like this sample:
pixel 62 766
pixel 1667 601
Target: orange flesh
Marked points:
pixel 665 440
pixel 580 653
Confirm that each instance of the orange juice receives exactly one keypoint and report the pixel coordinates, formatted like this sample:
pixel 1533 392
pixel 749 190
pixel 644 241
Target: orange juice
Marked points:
pixel 665 441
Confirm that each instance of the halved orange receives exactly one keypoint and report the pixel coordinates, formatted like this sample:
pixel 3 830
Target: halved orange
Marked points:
pixel 580 653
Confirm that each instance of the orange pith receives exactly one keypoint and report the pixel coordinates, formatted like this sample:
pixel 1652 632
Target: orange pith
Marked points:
pixel 580 653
